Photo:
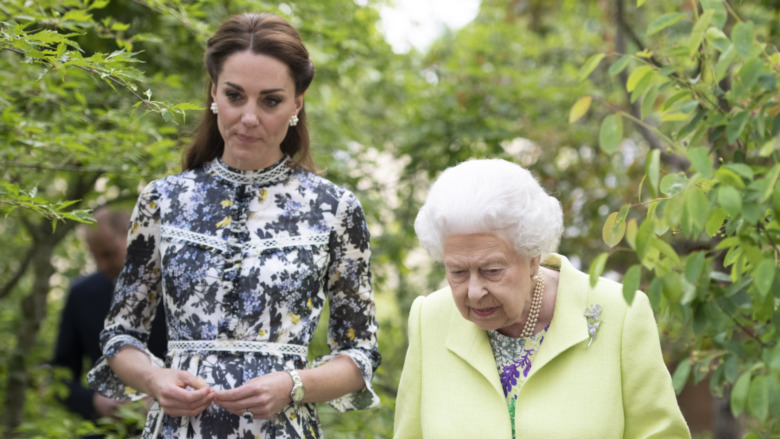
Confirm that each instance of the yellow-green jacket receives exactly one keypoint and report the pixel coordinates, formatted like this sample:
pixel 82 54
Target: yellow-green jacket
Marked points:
pixel 617 388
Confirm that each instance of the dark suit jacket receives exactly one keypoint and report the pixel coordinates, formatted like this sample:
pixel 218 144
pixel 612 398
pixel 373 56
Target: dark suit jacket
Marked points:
pixel 79 336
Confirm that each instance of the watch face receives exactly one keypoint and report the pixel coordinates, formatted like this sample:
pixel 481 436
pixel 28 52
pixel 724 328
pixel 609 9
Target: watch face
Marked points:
pixel 297 393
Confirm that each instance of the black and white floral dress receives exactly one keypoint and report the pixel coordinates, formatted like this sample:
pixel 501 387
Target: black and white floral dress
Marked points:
pixel 244 262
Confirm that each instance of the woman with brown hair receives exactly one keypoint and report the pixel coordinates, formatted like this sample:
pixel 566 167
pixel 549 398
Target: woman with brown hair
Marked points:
pixel 244 247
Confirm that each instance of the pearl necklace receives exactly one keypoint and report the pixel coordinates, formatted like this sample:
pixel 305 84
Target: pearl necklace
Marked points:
pixel 536 306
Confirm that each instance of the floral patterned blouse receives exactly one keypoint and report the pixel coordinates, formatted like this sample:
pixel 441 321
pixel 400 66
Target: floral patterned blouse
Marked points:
pixel 513 359
pixel 244 262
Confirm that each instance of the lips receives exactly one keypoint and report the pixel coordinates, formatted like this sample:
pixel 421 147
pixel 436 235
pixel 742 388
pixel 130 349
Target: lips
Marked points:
pixel 484 312
pixel 246 138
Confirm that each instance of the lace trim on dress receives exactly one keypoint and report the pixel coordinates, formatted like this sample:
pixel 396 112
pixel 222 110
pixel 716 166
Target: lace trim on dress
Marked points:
pixel 289 241
pixel 254 247
pixel 259 347
pixel 270 174
pixel 193 237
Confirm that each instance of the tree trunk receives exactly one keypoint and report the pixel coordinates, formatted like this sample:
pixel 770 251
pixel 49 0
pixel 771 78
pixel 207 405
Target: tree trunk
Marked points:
pixel 33 311
pixel 33 306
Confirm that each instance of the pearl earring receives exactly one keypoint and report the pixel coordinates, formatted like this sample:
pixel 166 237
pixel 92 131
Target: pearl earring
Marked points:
pixel 214 108
pixel 293 120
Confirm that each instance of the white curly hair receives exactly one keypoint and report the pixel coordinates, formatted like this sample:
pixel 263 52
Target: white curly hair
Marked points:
pixel 490 196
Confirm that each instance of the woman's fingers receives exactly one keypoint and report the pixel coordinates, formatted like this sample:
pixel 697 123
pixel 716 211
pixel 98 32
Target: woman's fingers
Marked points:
pixel 182 394
pixel 264 396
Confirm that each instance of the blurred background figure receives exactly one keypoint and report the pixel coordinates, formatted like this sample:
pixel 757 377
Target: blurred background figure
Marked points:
pixel 85 309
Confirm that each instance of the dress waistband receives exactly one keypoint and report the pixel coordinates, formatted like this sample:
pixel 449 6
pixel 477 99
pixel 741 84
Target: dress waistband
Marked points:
pixel 260 347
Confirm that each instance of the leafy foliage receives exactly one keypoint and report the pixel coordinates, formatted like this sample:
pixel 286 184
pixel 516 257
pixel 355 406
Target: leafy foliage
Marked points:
pixel 705 225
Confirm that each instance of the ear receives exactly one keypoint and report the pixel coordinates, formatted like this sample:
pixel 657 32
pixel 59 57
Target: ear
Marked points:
pixel 213 92
pixel 299 102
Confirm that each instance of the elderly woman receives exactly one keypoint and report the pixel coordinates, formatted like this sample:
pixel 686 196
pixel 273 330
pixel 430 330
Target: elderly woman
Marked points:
pixel 520 345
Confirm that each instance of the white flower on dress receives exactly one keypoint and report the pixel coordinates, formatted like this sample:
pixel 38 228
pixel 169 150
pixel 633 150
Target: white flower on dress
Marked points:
pixel 593 316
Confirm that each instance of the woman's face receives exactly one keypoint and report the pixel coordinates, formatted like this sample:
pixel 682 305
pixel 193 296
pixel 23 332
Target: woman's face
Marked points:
pixel 491 284
pixel 255 95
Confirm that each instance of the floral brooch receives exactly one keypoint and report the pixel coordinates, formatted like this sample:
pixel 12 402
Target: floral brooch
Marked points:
pixel 593 316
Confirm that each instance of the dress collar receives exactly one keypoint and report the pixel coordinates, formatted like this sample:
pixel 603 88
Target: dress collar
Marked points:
pixel 272 174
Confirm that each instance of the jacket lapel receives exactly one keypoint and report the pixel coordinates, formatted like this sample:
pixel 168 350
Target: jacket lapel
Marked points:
pixel 470 343
pixel 568 326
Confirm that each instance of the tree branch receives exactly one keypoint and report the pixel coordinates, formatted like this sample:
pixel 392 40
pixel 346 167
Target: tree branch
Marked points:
pixel 20 270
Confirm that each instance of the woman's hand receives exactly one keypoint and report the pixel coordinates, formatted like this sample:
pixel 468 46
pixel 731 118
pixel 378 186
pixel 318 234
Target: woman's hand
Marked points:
pixel 264 396
pixel 179 392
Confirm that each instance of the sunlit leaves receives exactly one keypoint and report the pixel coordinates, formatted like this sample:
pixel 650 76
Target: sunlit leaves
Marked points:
pixel 615 227
pixel 579 108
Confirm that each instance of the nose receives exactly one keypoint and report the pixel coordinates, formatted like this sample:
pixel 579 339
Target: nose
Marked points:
pixel 476 289
pixel 249 117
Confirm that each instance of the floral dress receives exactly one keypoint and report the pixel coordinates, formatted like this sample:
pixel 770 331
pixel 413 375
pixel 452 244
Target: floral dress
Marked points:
pixel 244 262
pixel 513 359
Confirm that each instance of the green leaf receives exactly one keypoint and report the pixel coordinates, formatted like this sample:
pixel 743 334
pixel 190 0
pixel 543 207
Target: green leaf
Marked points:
pixel 758 398
pixel 718 39
pixel 637 75
pixel 664 21
pixel 639 3
pixel 675 98
pixel 739 394
pixel 695 211
pixel 730 199
pixel 748 75
pixel 774 396
pixel 673 184
pixel 653 170
pixel 735 126
pixel 611 133
pixel 720 16
pixel 597 268
pixel 579 108
pixel 631 229
pixel 715 221
pixel 774 359
pixel 631 282
pixel 644 235
pixel 639 89
pixel 648 101
pixel 590 65
pixel 693 266
pixel 681 374
pixel 619 65
pixel 742 35
pixel 612 232
pixel 699 30
pixel 701 160
pixel 763 276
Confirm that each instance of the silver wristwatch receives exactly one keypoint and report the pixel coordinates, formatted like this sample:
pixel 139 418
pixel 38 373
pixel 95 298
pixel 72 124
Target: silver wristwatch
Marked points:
pixel 298 391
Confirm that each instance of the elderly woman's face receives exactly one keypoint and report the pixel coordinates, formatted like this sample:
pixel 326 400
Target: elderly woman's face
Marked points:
pixel 491 284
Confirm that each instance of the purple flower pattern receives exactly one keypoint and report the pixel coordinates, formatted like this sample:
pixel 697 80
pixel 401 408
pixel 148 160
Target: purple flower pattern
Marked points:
pixel 513 361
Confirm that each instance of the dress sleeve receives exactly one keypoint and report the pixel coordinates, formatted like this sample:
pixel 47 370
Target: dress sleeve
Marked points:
pixel 136 297
pixel 352 325
pixel 408 423
pixel 650 405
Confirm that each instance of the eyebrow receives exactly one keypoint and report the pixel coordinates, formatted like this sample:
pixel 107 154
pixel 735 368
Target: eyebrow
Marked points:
pixel 262 92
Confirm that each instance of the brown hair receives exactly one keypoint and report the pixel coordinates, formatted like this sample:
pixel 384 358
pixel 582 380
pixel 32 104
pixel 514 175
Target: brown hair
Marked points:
pixel 263 34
